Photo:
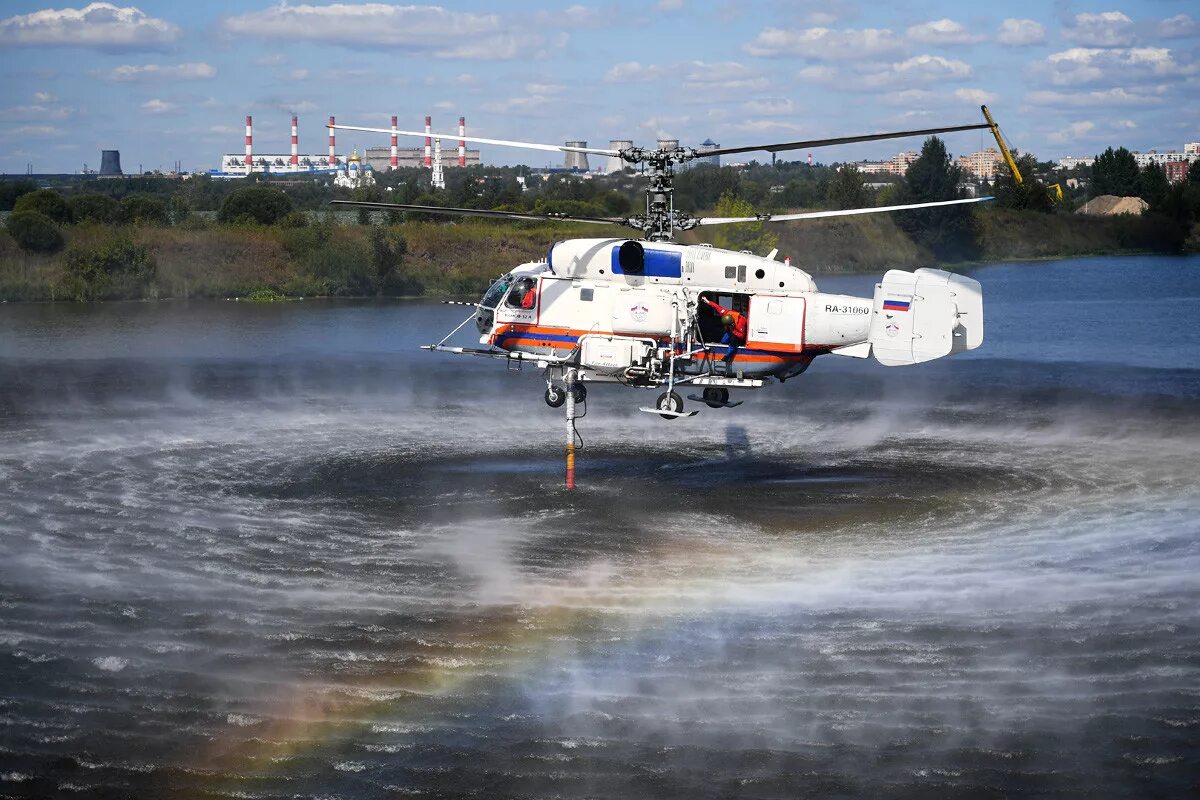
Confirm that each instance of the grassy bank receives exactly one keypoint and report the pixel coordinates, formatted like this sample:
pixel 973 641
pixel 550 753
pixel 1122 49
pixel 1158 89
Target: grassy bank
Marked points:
pixel 438 259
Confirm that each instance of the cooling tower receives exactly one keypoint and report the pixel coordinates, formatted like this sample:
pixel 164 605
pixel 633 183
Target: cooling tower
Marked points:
pixel 110 162
pixel 668 144
pixel 615 164
pixel 576 160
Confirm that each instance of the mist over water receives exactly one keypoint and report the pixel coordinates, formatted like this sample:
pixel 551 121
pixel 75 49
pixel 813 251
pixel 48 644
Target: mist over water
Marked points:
pixel 280 552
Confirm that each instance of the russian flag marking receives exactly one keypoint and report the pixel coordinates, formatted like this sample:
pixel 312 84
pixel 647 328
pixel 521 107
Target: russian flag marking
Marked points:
pixel 896 305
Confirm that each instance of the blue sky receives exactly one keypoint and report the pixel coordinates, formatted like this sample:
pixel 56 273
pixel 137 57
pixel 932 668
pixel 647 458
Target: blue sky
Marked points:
pixel 167 81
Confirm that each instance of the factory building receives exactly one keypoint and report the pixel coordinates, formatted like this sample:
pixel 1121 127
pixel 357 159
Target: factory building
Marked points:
pixel 379 158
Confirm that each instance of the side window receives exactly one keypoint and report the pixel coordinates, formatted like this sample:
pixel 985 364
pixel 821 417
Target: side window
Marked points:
pixel 522 295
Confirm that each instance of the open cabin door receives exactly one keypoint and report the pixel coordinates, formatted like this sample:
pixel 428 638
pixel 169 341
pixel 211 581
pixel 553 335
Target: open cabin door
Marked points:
pixel 777 323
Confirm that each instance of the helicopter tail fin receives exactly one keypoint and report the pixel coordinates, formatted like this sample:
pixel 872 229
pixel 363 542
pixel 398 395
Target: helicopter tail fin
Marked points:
pixel 923 315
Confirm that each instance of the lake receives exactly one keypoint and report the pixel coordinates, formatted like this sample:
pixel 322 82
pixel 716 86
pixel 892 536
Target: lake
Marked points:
pixel 278 551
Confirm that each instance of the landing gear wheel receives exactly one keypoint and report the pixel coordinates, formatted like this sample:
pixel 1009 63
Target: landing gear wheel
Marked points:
pixel 669 401
pixel 580 392
pixel 716 397
pixel 555 396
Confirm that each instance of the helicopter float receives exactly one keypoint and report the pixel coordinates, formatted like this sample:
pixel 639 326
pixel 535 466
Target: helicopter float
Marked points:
pixel 647 313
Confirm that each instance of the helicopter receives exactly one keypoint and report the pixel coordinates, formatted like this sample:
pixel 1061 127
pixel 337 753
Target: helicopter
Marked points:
pixel 651 313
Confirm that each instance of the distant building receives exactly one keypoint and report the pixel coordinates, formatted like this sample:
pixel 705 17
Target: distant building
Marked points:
pixel 1155 157
pixel 379 158
pixel 1191 149
pixel 1071 162
pixel 1176 171
pixel 110 162
pixel 705 146
pixel 574 160
pixel 898 165
pixel 981 164
pixel 357 173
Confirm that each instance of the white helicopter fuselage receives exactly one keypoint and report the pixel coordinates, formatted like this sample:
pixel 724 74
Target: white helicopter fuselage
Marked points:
pixel 608 305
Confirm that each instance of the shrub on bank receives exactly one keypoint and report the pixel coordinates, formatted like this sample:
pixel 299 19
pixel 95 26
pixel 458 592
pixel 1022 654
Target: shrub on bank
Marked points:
pixel 115 269
pixel 47 202
pixel 96 208
pixel 255 204
pixel 34 232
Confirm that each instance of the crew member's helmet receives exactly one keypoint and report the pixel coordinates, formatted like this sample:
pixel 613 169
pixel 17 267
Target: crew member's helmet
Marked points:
pixel 727 319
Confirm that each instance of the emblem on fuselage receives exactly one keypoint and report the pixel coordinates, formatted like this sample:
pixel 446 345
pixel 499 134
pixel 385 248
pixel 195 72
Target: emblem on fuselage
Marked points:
pixel 639 313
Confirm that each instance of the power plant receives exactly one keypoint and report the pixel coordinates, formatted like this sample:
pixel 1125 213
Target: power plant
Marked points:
pixel 239 165
pixel 576 161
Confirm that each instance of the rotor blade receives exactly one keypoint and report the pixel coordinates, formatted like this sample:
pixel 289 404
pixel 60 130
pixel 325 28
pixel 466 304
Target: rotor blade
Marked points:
pixel 503 142
pixel 842 213
pixel 480 212
pixel 870 137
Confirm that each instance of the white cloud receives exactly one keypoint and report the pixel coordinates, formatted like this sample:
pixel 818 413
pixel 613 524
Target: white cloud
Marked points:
pixel 770 107
pixel 44 97
pixel 976 96
pixel 35 112
pixel 1180 26
pixel 157 106
pixel 912 73
pixel 429 30
pixel 1072 132
pixel 723 76
pixel 445 105
pixel 1124 124
pixel 298 74
pixel 271 60
pixel 633 72
pixel 98 25
pixel 1019 32
pixel 1082 65
pixel 226 130
pixel 670 5
pixel 545 88
pixel 1116 97
pixel 824 44
pixel 942 31
pixel 173 72
pixel 33 131
pixel 1105 29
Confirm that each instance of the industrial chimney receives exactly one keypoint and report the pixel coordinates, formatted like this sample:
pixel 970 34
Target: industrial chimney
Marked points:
pixel 332 150
pixel 110 162
pixel 249 144
pixel 462 141
pixel 428 142
pixel 295 143
pixel 395 160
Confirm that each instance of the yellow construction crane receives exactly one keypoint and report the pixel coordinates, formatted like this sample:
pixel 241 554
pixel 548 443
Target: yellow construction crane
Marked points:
pixel 1012 165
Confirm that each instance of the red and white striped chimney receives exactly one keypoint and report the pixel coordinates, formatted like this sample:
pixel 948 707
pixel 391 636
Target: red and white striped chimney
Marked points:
pixel 428 142
pixel 332 150
pixel 462 142
pixel 295 142
pixel 249 144
pixel 395 162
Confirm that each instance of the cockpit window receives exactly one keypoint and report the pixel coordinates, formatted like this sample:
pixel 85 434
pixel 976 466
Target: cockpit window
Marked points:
pixel 523 294
pixel 492 297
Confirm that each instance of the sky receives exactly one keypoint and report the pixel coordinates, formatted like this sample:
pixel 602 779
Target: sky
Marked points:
pixel 171 81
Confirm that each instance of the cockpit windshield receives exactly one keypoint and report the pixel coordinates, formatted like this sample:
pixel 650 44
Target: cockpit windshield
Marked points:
pixel 495 294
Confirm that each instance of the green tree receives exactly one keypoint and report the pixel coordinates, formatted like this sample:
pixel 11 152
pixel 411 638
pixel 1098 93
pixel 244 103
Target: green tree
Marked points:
pixel 93 207
pixel 1193 173
pixel 255 204
pixel 752 236
pixel 145 209
pixel 1030 194
pixel 1115 172
pixel 846 189
pixel 34 232
pixel 45 201
pixel 1153 185
pixel 11 190
pixel 946 231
